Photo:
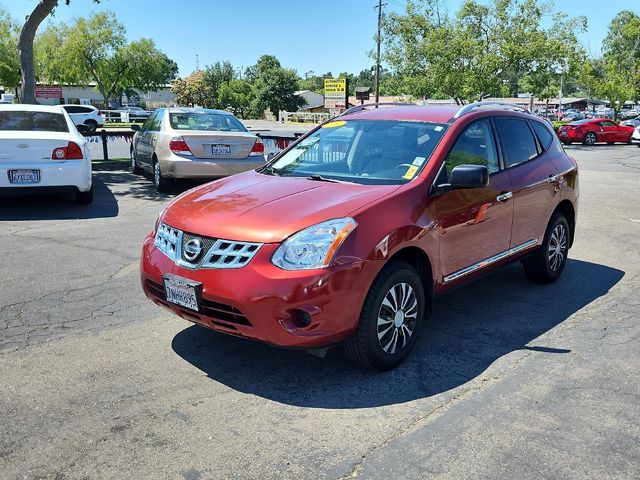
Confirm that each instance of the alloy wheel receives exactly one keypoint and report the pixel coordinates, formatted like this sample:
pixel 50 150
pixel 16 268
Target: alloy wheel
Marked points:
pixel 557 250
pixel 156 173
pixel 590 139
pixel 397 318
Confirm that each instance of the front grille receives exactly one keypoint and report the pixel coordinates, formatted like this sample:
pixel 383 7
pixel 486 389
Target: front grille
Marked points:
pixel 195 251
pixel 216 310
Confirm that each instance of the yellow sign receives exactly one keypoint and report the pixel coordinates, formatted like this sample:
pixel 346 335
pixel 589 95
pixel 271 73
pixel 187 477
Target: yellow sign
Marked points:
pixel 335 86
pixel 335 124
pixel 411 172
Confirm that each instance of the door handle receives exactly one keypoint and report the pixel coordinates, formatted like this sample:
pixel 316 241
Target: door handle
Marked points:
pixel 555 179
pixel 504 196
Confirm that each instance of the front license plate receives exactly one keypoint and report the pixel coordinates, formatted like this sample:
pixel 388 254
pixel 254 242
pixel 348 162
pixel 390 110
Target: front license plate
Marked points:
pixel 24 177
pixel 183 292
pixel 221 150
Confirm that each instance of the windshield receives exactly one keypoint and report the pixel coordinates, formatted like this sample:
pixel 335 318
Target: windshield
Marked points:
pixel 33 121
pixel 205 121
pixel 362 151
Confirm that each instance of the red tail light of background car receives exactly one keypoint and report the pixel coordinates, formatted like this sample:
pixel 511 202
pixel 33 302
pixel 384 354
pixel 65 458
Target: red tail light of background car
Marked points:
pixel 71 152
pixel 178 146
pixel 258 147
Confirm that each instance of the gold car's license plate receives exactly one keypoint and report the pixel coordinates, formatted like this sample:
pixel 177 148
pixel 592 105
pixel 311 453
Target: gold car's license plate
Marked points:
pixel 221 150
pixel 183 292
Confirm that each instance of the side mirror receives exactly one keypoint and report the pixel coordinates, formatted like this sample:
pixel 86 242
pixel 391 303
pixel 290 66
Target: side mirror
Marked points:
pixel 135 127
pixel 466 176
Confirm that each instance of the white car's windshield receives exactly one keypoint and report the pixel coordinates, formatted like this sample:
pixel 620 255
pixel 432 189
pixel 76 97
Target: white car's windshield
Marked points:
pixel 362 151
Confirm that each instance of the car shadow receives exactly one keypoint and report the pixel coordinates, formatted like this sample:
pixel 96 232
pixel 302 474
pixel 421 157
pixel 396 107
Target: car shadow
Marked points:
pixel 60 207
pixel 470 329
pixel 141 187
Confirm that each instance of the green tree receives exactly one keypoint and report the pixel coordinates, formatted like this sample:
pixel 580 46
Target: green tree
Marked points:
pixel 95 49
pixel 217 75
pixel 274 86
pixel 25 46
pixel 482 50
pixel 9 61
pixel 194 90
pixel 237 96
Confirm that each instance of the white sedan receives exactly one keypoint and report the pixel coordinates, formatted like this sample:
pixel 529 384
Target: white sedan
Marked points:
pixel 635 136
pixel 42 151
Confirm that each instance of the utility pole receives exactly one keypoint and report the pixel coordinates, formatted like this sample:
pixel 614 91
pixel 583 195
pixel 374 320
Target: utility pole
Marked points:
pixel 197 63
pixel 378 38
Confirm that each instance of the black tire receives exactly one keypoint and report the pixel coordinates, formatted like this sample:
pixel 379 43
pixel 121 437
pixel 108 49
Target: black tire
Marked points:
pixel 92 124
pixel 85 197
pixel 364 347
pixel 629 141
pixel 589 139
pixel 135 168
pixel 543 266
pixel 162 183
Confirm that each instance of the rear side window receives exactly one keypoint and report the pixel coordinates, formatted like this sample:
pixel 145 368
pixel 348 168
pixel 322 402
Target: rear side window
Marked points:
pixel 32 121
pixel 205 121
pixel 157 120
pixel 475 146
pixel 517 140
pixel 543 133
pixel 608 124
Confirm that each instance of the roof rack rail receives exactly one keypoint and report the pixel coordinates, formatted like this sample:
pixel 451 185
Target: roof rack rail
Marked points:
pixel 358 108
pixel 500 105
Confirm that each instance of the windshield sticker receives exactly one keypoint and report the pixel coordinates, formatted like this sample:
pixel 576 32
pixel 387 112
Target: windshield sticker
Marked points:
pixel 419 161
pixel 438 128
pixel 411 172
pixel 335 124
pixel 423 138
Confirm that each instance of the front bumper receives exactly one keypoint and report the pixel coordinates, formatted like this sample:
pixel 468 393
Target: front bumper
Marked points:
pixel 262 302
pixel 190 167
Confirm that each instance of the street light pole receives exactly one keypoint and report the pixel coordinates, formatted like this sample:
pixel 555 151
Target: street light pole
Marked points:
pixel 378 51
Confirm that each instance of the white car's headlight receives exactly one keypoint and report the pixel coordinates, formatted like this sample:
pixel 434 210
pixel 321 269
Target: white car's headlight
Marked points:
pixel 315 246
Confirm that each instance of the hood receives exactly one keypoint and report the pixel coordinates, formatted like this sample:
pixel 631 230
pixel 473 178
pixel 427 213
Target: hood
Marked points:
pixel 261 208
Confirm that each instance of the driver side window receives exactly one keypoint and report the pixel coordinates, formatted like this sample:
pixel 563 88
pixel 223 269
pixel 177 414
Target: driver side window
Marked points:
pixel 146 126
pixel 474 146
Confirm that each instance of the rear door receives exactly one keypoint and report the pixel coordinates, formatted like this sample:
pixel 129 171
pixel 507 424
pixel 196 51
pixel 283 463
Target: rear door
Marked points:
pixel 533 176
pixel 475 224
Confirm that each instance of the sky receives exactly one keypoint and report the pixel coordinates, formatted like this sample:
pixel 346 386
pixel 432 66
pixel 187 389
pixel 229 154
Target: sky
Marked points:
pixel 308 36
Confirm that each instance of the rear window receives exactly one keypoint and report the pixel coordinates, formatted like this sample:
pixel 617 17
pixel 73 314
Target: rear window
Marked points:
pixel 33 121
pixel 205 121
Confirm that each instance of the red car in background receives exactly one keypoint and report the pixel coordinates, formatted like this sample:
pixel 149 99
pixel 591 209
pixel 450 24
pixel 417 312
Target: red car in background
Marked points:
pixel 348 235
pixel 595 130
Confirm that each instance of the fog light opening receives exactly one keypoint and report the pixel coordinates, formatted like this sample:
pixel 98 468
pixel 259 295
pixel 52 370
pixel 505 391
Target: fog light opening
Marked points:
pixel 301 318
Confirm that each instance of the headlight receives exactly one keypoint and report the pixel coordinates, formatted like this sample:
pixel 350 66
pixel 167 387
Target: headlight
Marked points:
pixel 315 246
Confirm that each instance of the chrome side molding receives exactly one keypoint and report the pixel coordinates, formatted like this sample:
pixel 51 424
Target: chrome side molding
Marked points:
pixel 488 261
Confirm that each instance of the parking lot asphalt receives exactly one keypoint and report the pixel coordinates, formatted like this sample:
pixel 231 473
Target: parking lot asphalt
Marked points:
pixel 509 379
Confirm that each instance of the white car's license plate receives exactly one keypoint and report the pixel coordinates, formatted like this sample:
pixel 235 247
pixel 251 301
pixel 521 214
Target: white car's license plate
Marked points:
pixel 221 150
pixel 24 176
pixel 182 292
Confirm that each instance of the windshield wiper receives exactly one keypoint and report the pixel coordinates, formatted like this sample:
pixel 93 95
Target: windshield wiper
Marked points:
pixel 320 178
pixel 269 170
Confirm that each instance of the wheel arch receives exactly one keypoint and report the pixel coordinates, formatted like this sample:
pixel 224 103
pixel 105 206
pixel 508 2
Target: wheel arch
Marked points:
pixel 567 209
pixel 420 261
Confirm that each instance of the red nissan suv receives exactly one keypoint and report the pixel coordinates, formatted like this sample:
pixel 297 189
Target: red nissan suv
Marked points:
pixel 348 235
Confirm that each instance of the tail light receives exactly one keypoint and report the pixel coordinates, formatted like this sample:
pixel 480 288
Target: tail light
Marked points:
pixel 178 146
pixel 258 148
pixel 71 152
